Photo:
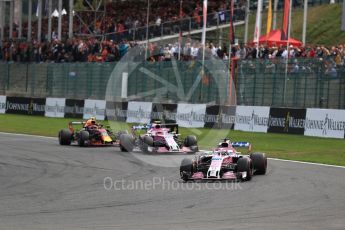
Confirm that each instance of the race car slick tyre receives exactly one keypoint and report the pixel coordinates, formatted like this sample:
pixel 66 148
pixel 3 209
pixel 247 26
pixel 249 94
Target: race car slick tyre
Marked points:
pixel 194 148
pixel 120 133
pixel 245 165
pixel 259 163
pixel 84 137
pixel 65 137
pixel 148 140
pixel 186 169
pixel 126 142
pixel 190 140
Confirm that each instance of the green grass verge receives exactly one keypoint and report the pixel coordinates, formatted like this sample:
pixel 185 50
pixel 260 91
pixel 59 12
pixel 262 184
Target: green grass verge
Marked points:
pixel 292 147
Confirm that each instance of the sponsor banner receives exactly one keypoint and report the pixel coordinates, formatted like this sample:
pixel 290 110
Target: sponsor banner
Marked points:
pixel 55 107
pixel 166 113
pixel 191 115
pixel 116 111
pixel 139 112
pixel 252 118
pixel 220 117
pixel 212 116
pixel 2 104
pixel 94 108
pixel 37 106
pixel 25 106
pixel 228 117
pixel 74 108
pixel 325 123
pixel 286 120
pixel 18 105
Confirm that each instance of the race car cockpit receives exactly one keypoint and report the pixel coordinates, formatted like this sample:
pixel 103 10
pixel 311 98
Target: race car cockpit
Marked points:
pixel 226 143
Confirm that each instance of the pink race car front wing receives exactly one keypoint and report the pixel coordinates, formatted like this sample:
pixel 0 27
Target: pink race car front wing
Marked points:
pixel 226 176
pixel 165 150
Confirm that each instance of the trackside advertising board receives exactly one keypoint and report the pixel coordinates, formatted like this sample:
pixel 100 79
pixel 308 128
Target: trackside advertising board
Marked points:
pixel 25 106
pixel 325 123
pixel 139 112
pixel 55 107
pixel 94 108
pixel 166 113
pixel 218 116
pixel 309 122
pixel 212 116
pixel 116 111
pixel 191 115
pixel 74 108
pixel 228 117
pixel 286 120
pixel 2 104
pixel 252 118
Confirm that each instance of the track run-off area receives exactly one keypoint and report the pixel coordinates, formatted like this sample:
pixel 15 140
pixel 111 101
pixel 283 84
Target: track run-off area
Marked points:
pixel 47 186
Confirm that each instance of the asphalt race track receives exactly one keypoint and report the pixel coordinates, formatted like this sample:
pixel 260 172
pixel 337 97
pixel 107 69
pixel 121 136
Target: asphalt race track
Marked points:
pixel 47 186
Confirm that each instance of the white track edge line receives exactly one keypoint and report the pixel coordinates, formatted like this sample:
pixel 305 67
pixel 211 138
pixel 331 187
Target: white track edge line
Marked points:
pixel 27 135
pixel 275 159
pixel 308 163
pixel 302 162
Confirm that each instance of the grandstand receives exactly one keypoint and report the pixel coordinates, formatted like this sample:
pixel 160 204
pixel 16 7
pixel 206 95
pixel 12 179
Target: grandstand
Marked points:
pixel 110 24
pixel 109 19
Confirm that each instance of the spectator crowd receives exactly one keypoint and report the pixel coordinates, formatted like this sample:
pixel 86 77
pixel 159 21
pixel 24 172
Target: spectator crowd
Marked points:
pixel 94 50
pixel 115 33
pixel 127 19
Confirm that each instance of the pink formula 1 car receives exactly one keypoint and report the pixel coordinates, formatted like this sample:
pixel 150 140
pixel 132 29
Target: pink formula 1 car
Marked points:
pixel 224 163
pixel 160 138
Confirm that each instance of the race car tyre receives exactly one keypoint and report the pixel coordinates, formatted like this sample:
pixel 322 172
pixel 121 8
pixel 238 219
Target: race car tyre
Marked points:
pixel 186 169
pixel 259 163
pixel 120 133
pixel 190 140
pixel 146 142
pixel 244 164
pixel 126 142
pixel 84 137
pixel 194 148
pixel 65 137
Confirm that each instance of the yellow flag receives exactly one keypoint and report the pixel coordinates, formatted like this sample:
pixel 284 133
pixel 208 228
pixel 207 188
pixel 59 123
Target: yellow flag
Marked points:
pixel 269 17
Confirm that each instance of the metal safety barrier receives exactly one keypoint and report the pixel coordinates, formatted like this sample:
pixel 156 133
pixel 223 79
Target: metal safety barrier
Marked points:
pixel 298 83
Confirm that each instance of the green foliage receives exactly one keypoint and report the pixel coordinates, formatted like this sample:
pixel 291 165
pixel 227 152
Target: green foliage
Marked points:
pixel 78 5
pixel 96 4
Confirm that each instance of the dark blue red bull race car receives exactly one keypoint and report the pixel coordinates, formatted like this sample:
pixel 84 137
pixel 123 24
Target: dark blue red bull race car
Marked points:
pixel 93 135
